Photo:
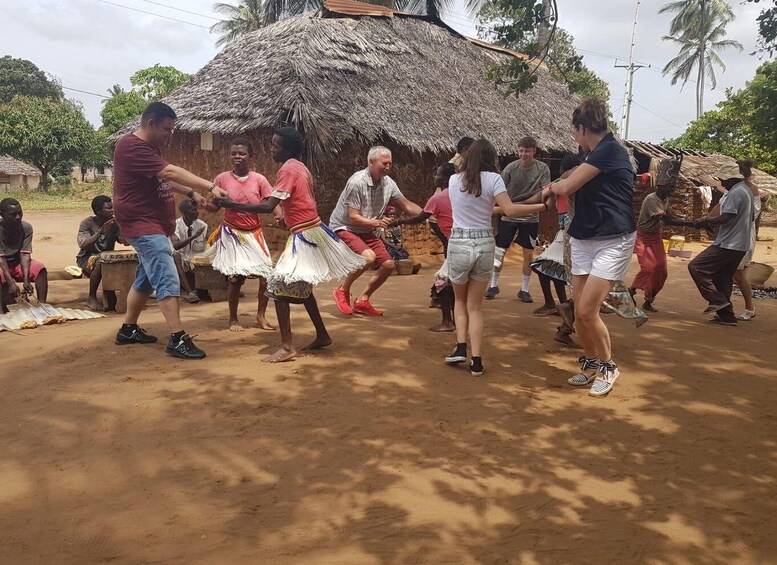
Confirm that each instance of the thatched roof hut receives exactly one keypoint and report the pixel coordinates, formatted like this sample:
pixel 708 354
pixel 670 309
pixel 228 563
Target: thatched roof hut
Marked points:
pixel 17 175
pixel 697 169
pixel 352 75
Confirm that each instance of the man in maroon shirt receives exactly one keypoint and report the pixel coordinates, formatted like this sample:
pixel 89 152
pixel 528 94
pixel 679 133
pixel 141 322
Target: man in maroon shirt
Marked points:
pixel 144 205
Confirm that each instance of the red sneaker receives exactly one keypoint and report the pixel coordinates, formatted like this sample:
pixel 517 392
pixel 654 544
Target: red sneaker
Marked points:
pixel 343 301
pixel 366 308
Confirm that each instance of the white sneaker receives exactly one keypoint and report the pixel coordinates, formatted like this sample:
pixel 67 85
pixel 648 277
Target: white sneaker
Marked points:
pixel 746 315
pixel 604 382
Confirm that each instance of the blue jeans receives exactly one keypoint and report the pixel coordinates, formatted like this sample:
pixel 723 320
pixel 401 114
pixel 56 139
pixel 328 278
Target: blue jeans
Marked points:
pixel 156 267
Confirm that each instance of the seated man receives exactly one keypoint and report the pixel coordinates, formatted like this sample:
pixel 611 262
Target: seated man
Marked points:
pixel 96 234
pixel 188 241
pixel 16 262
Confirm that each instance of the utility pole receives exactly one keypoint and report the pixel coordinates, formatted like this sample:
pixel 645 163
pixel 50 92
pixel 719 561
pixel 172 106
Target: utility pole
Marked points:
pixel 631 68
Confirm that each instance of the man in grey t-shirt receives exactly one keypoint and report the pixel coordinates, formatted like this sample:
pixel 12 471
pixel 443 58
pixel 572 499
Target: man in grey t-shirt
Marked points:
pixel 523 178
pixel 358 212
pixel 713 269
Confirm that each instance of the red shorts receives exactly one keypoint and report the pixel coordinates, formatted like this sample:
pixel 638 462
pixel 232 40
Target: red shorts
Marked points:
pixel 359 243
pixel 18 276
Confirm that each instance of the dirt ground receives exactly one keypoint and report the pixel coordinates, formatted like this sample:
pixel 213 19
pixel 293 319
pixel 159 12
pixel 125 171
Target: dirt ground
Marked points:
pixel 373 451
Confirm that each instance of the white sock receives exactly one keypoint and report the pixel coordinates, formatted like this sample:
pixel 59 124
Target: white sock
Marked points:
pixel 525 283
pixel 495 279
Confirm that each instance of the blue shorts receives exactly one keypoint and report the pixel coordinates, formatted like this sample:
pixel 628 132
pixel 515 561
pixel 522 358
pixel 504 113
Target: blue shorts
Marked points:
pixel 156 267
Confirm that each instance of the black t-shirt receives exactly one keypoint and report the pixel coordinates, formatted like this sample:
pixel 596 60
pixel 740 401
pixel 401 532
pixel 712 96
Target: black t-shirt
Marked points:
pixel 604 205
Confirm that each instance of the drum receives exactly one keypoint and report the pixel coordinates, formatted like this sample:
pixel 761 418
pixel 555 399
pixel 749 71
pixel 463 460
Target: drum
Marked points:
pixel 118 271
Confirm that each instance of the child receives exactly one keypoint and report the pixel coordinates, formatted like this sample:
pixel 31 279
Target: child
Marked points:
pixel 240 248
pixel 313 253
pixel 188 241
pixel 392 236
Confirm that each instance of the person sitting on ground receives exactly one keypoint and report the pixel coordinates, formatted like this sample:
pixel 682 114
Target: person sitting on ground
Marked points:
pixel 16 262
pixel 392 236
pixel 439 205
pixel 96 234
pixel 188 241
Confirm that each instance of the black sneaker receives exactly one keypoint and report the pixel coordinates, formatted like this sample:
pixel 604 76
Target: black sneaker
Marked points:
pixel 185 348
pixel 459 355
pixel 476 367
pixel 134 335
pixel 491 292
pixel 525 297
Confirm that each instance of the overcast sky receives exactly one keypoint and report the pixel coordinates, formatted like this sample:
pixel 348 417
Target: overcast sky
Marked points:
pixel 92 44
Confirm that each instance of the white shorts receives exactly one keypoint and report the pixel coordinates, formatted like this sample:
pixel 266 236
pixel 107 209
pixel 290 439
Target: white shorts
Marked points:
pixel 607 259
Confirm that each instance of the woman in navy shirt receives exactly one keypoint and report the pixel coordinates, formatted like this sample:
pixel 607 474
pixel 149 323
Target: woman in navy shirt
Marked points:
pixel 602 237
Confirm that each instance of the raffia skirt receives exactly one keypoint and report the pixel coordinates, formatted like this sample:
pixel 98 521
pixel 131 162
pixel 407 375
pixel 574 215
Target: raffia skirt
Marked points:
pixel 313 254
pixel 236 252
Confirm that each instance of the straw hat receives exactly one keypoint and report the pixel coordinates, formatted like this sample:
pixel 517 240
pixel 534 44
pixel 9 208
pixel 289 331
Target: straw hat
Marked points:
pixel 729 171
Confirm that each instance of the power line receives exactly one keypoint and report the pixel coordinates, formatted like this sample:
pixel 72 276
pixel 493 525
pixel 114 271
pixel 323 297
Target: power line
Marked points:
pixel 153 14
pixel 659 115
pixel 182 10
pixel 86 92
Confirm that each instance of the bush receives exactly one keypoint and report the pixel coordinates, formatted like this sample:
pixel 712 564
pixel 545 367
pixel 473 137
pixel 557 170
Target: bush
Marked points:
pixel 63 180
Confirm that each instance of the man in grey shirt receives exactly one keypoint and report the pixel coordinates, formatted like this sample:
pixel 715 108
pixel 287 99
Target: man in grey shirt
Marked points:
pixel 713 269
pixel 523 178
pixel 358 212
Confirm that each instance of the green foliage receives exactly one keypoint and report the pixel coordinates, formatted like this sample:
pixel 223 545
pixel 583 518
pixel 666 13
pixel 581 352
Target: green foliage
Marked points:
pixel 563 60
pixel 744 125
pixel 154 83
pixel 517 24
pixel 698 28
pixel 120 109
pixel 45 133
pixel 63 180
pixel 19 77
pixel 767 27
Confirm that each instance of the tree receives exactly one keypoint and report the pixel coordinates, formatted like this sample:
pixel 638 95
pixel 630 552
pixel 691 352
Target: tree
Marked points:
pixel 120 109
pixel 44 132
pixel 114 90
pixel 698 28
pixel 564 62
pixel 20 77
pixel 767 27
pixel 154 83
pixel 247 16
pixel 744 125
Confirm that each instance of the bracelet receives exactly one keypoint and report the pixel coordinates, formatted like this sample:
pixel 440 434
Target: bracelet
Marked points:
pixel 190 193
pixel 212 187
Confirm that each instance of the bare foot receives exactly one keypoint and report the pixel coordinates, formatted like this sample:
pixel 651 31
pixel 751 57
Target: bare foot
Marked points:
pixel 234 326
pixel 261 322
pixel 319 343
pixel 94 304
pixel 442 327
pixel 280 356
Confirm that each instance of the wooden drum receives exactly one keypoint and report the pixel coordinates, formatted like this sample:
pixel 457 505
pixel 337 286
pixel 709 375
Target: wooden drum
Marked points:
pixel 118 269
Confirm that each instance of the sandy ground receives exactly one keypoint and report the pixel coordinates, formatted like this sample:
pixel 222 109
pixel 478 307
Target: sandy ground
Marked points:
pixel 374 451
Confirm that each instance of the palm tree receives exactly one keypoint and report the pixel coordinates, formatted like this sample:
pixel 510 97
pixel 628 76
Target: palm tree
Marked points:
pixel 250 15
pixel 698 28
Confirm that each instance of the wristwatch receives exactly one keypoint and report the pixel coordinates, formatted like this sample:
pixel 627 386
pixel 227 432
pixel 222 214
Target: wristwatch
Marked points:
pixel 190 193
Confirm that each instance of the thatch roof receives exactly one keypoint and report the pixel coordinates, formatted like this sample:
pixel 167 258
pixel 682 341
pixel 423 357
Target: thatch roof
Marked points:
pixel 699 167
pixel 11 167
pixel 341 77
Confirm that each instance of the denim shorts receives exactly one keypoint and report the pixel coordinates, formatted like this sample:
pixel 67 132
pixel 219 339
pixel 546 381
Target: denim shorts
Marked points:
pixel 156 267
pixel 470 255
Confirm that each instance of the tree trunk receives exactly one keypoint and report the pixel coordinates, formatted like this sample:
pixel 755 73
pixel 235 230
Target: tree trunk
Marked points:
pixel 45 182
pixel 700 86
pixel 543 30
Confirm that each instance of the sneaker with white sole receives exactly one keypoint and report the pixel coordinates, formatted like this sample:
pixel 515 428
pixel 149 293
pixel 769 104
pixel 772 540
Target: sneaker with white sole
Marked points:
pixel 746 315
pixel 459 354
pixel 586 364
pixel 476 368
pixel 608 374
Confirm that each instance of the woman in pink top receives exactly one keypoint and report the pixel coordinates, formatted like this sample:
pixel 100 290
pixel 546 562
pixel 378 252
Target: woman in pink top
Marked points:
pixel 239 248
